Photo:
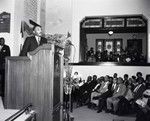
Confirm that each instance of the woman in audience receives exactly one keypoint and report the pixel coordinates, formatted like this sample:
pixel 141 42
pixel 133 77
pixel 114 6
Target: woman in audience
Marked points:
pixel 76 78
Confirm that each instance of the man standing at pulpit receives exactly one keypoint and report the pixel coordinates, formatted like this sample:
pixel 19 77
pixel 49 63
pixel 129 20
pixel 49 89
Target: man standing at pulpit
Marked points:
pixel 31 43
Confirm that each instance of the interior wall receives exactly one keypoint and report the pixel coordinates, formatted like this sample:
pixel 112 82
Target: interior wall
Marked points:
pixel 18 17
pixel 8 6
pixel 91 39
pixel 42 14
pixel 110 70
pixel 58 16
pixel 82 8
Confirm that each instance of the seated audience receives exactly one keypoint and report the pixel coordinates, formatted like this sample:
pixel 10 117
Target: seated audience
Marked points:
pixel 102 98
pixel 98 56
pixel 88 87
pixel 124 56
pixel 96 94
pixel 124 102
pixel 114 84
pixel 112 102
pixel 90 55
pixel 137 93
pixel 139 89
pixel 112 94
pixel 143 113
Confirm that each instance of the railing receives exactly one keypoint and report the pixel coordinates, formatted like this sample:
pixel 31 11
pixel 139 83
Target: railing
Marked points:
pixel 25 109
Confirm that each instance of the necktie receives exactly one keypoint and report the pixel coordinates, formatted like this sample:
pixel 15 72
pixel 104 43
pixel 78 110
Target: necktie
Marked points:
pixel 136 89
pixel 114 86
pixel 39 40
pixel 118 88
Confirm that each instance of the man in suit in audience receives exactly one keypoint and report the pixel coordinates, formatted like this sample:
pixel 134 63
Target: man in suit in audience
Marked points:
pixel 31 43
pixel 91 86
pixel 4 52
pixel 137 93
pixel 139 89
pixel 119 91
pixel 86 91
pixel 98 92
pixel 105 95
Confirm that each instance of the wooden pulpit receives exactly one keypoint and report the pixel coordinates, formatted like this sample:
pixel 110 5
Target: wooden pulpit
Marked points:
pixel 36 79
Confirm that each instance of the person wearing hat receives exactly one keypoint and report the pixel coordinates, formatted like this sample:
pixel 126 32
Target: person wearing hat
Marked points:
pixel 31 43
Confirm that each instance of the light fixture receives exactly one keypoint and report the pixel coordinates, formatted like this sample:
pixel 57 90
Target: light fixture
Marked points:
pixel 110 33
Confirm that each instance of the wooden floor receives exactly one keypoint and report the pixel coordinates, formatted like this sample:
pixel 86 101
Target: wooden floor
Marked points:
pixel 85 114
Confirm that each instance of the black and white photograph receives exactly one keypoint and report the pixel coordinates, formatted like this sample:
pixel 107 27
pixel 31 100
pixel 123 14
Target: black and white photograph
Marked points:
pixel 74 60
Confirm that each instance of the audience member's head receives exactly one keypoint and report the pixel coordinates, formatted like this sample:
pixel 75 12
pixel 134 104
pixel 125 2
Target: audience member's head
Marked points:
pixel 106 78
pixel 130 81
pixel 129 86
pixel 148 77
pixel 94 77
pixel 102 78
pixel 120 80
pixel 76 73
pixel 134 77
pixel 115 75
pixel 83 81
pixel 99 80
pixel 139 74
pixel 140 80
pixel 111 79
pixel 89 78
pixel 115 80
pixel 126 76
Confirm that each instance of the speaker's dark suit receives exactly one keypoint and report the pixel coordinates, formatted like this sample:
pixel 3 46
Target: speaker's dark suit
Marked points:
pixel 31 44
